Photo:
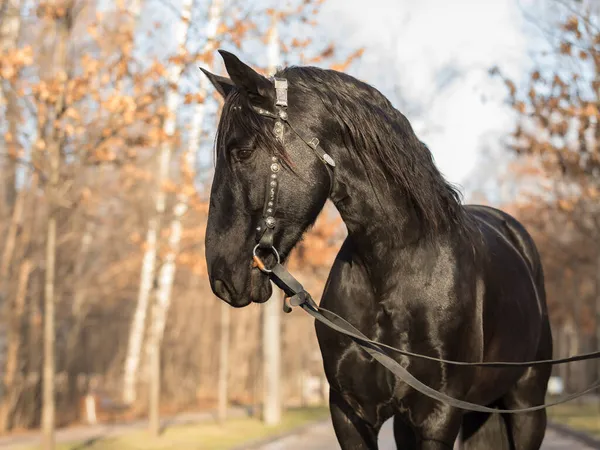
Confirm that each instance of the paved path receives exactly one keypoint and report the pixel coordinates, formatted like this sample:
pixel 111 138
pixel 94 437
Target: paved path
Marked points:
pixel 321 437
pixel 93 432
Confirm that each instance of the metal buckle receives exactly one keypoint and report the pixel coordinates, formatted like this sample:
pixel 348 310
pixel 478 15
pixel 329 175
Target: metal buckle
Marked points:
pixel 281 86
pixel 259 262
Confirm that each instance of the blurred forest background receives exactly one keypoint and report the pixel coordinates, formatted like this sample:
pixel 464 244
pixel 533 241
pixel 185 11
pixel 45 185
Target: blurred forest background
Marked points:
pixel 106 141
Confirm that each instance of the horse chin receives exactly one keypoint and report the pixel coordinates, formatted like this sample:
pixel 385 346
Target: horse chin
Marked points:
pixel 260 286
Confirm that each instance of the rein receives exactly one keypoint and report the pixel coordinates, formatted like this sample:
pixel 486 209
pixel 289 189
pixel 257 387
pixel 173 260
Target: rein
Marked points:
pixel 296 295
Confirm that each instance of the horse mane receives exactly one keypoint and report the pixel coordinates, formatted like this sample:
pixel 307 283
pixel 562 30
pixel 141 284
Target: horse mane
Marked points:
pixel 385 142
pixel 381 136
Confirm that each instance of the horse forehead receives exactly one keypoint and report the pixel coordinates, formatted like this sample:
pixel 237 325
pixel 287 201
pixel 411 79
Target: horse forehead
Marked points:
pixel 235 134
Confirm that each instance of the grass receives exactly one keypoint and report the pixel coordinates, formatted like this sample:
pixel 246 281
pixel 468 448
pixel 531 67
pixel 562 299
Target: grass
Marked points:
pixel 581 417
pixel 203 436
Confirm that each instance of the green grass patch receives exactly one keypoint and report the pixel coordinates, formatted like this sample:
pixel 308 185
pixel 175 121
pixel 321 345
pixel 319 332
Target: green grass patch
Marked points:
pixel 204 436
pixel 582 417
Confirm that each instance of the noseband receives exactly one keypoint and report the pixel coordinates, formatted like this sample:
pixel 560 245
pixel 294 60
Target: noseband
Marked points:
pixel 265 232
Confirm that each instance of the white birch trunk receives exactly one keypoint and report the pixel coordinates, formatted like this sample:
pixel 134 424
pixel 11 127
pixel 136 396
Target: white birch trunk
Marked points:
pixel 223 397
pixel 136 332
pixel 10 26
pixel 173 100
pixel 167 271
pixel 272 308
pixel 54 152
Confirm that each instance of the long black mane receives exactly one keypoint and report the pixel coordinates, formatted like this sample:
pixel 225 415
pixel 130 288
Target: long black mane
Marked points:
pixel 385 142
pixel 381 135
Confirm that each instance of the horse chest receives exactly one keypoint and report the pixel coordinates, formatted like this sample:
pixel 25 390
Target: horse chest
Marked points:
pixel 363 382
pixel 355 375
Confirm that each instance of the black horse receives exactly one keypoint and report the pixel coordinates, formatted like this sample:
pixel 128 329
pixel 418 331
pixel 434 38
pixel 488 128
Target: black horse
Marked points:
pixel 418 270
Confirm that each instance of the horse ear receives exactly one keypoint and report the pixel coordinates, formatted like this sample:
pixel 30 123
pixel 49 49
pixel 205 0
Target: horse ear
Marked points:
pixel 223 85
pixel 247 79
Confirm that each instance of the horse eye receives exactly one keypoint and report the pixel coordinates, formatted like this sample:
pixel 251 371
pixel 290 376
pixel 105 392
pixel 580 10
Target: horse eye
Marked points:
pixel 243 153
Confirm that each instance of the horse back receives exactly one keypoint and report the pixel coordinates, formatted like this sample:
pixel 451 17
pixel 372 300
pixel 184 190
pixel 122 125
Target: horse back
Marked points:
pixel 514 301
pixel 514 231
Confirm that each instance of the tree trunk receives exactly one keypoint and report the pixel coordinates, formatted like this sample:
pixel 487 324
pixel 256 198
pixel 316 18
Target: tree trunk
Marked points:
pixel 215 14
pixel 154 394
pixel 12 148
pixel 598 313
pixel 272 308
pixel 78 309
pixel 167 271
pixel 136 332
pixel 272 360
pixel 14 348
pixel 11 237
pixel 48 408
pixel 10 25
pixel 7 257
pixel 223 397
pixel 54 152
pixel 172 103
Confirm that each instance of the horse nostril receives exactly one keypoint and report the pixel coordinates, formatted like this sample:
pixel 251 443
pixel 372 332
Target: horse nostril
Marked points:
pixel 221 291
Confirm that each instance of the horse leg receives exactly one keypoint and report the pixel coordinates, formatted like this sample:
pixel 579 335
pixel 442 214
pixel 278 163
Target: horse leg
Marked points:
pixel 404 435
pixel 526 430
pixel 352 431
pixel 440 429
pixel 482 431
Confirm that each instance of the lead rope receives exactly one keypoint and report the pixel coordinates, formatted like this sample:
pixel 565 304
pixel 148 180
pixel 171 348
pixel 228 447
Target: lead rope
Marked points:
pixel 298 296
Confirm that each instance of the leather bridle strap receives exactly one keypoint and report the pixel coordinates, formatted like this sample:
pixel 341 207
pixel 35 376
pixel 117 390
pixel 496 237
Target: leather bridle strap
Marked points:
pixel 266 229
pixel 300 297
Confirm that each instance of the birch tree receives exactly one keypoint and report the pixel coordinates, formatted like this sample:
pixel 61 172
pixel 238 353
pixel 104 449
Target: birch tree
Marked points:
pixel 61 13
pixel 10 25
pixel 172 102
pixel 136 333
pixel 222 385
pixel 167 270
pixel 271 334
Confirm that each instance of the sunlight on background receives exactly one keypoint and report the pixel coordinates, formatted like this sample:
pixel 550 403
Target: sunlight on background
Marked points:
pixel 434 56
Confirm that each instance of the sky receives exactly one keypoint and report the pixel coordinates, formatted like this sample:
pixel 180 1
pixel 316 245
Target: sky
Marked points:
pixel 432 57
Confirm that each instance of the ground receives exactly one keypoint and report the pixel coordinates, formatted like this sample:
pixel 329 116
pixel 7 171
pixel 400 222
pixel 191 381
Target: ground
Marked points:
pixel 195 433
pixel 199 431
pixel 321 437
pixel 582 416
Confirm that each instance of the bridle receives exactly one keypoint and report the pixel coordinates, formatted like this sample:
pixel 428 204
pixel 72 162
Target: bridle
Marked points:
pixel 298 296
pixel 265 231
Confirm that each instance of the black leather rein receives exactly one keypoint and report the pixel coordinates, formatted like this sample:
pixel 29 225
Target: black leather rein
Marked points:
pixel 298 296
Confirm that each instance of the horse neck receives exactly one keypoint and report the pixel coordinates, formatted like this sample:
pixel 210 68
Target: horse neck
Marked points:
pixel 378 217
